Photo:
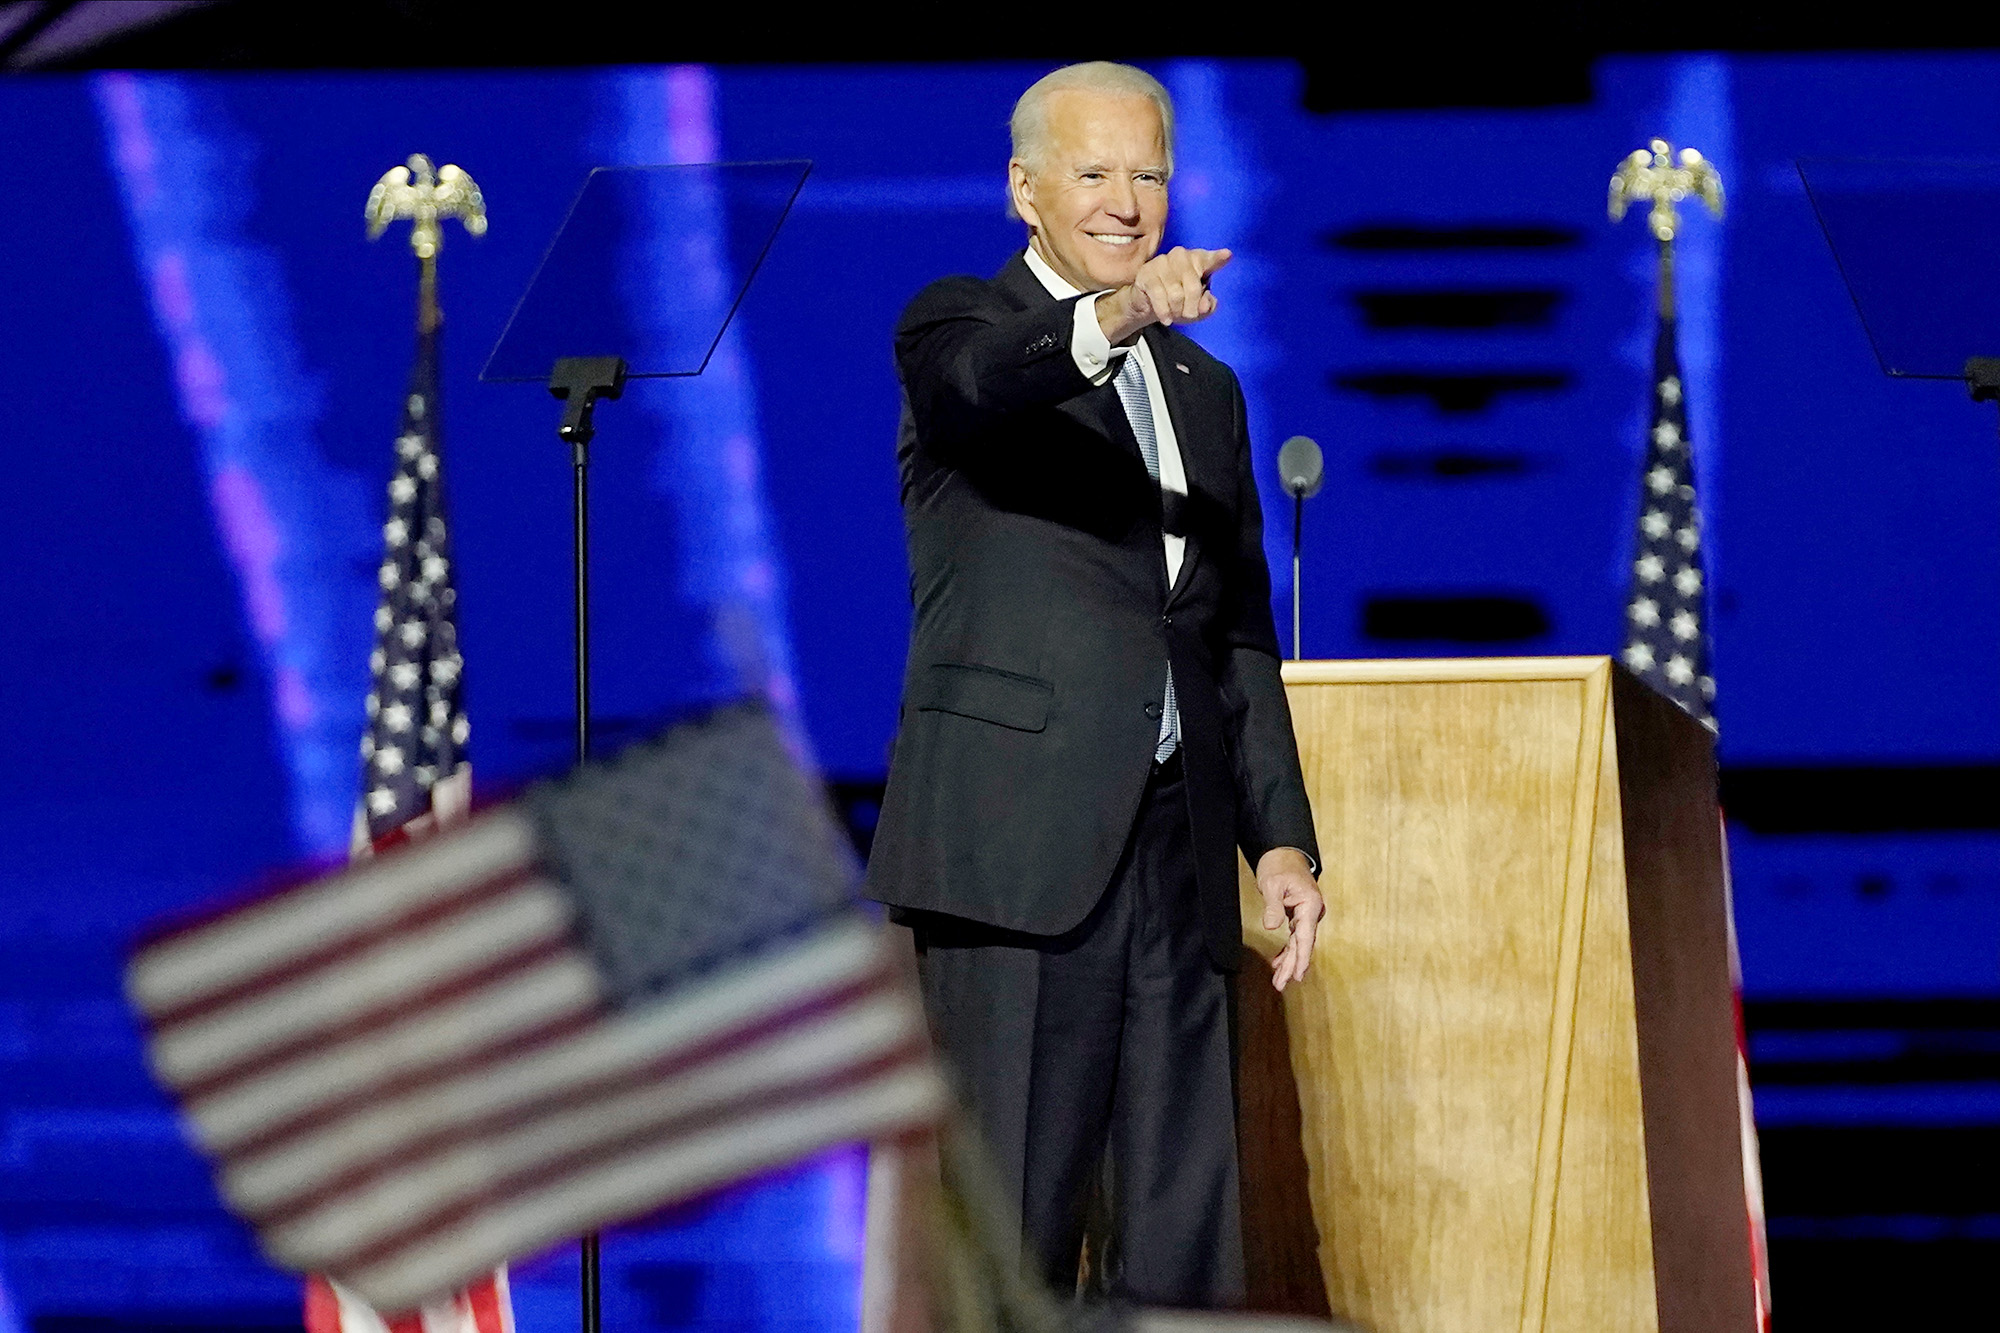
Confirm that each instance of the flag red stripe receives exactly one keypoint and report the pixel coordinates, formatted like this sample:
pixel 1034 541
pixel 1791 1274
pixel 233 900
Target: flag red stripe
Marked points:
pixel 483 1298
pixel 914 1052
pixel 326 1113
pixel 573 1097
pixel 322 1306
pixel 408 1321
pixel 374 1020
pixel 297 967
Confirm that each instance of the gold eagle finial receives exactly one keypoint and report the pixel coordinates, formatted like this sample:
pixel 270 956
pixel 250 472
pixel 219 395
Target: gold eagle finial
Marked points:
pixel 1653 174
pixel 426 198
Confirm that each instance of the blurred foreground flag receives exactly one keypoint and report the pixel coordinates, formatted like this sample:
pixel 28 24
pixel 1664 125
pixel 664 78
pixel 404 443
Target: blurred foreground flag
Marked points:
pixel 630 987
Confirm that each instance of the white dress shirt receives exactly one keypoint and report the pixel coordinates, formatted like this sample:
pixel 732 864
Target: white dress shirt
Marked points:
pixel 1098 360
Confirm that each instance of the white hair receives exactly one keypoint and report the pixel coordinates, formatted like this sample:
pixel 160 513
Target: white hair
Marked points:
pixel 1029 124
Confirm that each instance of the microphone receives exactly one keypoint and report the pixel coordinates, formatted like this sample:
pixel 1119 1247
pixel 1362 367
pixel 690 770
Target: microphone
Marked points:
pixel 1302 469
pixel 1301 466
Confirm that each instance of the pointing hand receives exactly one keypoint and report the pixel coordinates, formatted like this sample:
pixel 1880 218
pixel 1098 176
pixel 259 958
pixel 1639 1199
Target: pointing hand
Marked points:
pixel 1171 289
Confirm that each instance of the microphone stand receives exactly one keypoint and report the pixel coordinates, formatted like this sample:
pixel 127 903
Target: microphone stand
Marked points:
pixel 1298 528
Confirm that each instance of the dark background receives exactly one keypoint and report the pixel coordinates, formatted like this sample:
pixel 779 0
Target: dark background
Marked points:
pixel 1426 283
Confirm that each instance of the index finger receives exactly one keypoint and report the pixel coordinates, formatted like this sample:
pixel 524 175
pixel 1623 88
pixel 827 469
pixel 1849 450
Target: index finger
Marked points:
pixel 1305 933
pixel 1208 261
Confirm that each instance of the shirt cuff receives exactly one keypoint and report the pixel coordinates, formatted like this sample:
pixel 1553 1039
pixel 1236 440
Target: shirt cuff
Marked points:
pixel 1311 860
pixel 1089 347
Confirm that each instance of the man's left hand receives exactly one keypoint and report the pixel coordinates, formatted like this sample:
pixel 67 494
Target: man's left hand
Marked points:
pixel 1284 878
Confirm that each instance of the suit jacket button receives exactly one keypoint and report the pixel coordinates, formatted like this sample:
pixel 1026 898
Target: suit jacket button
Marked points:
pixel 1153 710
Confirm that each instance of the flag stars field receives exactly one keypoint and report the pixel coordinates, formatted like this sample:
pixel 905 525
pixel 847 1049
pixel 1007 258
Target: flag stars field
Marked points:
pixel 415 704
pixel 1666 634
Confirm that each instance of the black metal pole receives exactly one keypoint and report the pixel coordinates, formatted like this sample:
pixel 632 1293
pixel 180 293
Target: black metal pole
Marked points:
pixel 580 461
pixel 588 1283
pixel 580 382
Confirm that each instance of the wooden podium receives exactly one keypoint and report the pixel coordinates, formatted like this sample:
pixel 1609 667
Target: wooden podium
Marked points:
pixel 1505 1097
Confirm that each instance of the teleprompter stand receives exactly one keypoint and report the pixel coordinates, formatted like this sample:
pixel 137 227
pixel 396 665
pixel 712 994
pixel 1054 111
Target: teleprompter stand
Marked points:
pixel 580 381
pixel 1918 245
pixel 615 299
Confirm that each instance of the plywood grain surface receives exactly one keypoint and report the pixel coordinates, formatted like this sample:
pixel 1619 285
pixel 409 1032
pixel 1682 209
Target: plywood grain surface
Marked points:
pixel 1465 1054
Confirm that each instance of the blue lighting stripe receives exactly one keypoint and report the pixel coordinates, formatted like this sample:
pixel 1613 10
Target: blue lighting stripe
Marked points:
pixel 9 1322
pixel 1935 1104
pixel 1217 189
pixel 294 527
pixel 1907 1228
pixel 1701 114
pixel 709 459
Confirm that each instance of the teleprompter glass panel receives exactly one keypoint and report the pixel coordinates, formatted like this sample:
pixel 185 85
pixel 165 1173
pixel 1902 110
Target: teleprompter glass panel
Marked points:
pixel 1918 244
pixel 650 265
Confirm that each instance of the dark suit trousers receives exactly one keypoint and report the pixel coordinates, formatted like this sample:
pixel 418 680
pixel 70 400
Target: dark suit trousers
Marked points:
pixel 1115 1034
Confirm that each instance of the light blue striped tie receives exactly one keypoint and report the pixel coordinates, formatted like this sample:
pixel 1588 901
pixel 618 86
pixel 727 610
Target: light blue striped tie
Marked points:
pixel 1131 382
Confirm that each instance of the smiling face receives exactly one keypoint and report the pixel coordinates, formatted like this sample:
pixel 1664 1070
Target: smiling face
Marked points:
pixel 1098 202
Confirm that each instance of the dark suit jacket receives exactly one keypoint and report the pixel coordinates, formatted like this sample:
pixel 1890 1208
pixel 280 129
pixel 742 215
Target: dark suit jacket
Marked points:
pixel 1044 624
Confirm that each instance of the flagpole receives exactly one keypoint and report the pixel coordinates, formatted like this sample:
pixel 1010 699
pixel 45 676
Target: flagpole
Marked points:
pixel 1667 618
pixel 414 709
pixel 1657 175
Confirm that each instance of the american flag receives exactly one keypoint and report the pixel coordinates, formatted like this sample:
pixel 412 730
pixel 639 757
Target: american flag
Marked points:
pixel 415 776
pixel 628 988
pixel 1666 618
pixel 413 756
pixel 1667 644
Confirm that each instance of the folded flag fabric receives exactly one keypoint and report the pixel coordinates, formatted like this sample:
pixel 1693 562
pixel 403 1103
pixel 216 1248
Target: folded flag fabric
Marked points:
pixel 483 1306
pixel 628 988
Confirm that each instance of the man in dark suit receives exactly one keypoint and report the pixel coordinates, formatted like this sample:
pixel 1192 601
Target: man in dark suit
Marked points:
pixel 1093 721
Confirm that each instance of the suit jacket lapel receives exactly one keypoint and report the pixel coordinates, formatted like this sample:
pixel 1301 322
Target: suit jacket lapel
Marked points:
pixel 1196 437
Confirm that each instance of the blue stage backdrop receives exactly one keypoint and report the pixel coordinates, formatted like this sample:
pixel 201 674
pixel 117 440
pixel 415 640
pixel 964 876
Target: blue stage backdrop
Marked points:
pixel 202 371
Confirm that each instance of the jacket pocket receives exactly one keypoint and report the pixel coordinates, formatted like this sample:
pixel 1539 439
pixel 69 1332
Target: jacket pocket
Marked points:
pixel 1000 697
